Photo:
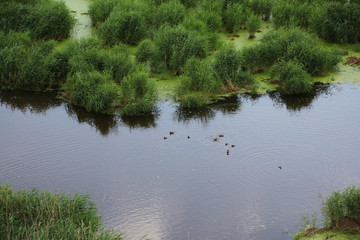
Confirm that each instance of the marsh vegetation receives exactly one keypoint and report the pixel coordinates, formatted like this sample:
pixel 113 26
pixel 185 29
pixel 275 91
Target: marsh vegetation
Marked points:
pixel 178 38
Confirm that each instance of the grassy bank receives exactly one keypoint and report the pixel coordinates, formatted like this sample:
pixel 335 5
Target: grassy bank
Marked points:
pixel 341 217
pixel 45 215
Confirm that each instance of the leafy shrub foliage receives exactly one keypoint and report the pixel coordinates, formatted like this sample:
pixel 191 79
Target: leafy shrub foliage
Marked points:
pixel 144 51
pixel 24 64
pixel 287 45
pixel 93 90
pixel 252 25
pixel 125 27
pixel 44 20
pixel 100 10
pixel 292 78
pixel 172 13
pixel 173 46
pixel 139 95
pixel 46 215
pixel 336 22
pixel 341 207
pixel 292 13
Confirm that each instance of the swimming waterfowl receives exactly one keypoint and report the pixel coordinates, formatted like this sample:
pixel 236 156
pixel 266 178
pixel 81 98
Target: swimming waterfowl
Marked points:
pixel 227 152
pixel 171 133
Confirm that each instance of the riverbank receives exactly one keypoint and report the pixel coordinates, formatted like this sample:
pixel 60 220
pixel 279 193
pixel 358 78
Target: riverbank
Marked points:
pixel 324 234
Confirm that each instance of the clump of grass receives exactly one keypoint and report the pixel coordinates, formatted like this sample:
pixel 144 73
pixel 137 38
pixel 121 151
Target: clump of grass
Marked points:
pixel 337 22
pixel 25 64
pixel 290 44
pixel 44 20
pixel 175 45
pixel 292 78
pixel 45 215
pixel 292 13
pixel 234 16
pixel 138 94
pixel 342 207
pixel 171 12
pixel 125 27
pixel 252 25
pixel 194 101
pixel 144 51
pixel 93 90
pixel 99 10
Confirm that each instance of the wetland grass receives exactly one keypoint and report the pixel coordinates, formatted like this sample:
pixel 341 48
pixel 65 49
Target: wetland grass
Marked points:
pixel 45 215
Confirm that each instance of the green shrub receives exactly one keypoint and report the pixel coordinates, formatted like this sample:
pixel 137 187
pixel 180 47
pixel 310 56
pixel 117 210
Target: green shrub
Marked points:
pixel 125 27
pixel 233 16
pixel 342 206
pixel 292 44
pixel 210 12
pixel 100 10
pixel 171 12
pixel 337 22
pixel 139 95
pixel 118 63
pixel 144 51
pixel 173 46
pixel 292 13
pixel 24 64
pixel 44 215
pixel 262 8
pixel 193 101
pixel 92 90
pixel 45 20
pixel 227 64
pixel 292 78
pixel 54 21
pixel 252 25
pixel 199 75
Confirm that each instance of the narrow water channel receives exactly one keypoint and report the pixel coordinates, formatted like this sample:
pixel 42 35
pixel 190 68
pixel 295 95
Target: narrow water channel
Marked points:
pixel 189 188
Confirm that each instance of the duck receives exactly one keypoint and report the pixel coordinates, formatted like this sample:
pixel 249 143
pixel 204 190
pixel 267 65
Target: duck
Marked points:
pixel 165 137
pixel 227 152
pixel 171 133
pixel 233 146
pixel 221 135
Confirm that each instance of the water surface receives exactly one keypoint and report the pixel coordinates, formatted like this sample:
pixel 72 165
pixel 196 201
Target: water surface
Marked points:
pixel 180 188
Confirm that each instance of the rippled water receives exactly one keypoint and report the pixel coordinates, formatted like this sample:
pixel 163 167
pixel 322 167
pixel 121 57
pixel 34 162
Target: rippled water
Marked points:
pixel 189 188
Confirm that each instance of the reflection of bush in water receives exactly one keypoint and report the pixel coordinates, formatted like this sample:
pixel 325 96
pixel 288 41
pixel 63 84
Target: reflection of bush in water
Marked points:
pixel 34 102
pixel 145 121
pixel 299 102
pixel 227 106
pixel 105 124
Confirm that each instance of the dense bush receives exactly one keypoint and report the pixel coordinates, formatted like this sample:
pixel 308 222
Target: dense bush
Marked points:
pixel 44 20
pixel 227 64
pixel 292 78
pixel 262 8
pixel 289 45
pixel 139 95
pixel 125 27
pixel 24 64
pixel 144 51
pixel 173 46
pixel 172 13
pixel 93 90
pixel 292 13
pixel 198 76
pixel 252 25
pixel 336 22
pixel 341 207
pixel 99 10
pixel 232 16
pixel 210 12
pixel 44 215
pixel 194 101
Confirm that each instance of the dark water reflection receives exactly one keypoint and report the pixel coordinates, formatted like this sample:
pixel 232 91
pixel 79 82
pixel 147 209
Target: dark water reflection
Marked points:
pixel 189 188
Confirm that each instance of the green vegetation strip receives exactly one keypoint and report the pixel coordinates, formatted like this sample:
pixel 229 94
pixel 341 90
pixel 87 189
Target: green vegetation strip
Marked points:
pixel 45 215
pixel 194 52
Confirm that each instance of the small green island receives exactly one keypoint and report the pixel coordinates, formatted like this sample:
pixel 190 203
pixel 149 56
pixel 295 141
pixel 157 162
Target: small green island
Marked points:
pixel 194 52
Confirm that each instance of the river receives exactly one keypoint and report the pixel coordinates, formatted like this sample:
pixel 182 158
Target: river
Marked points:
pixel 189 188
